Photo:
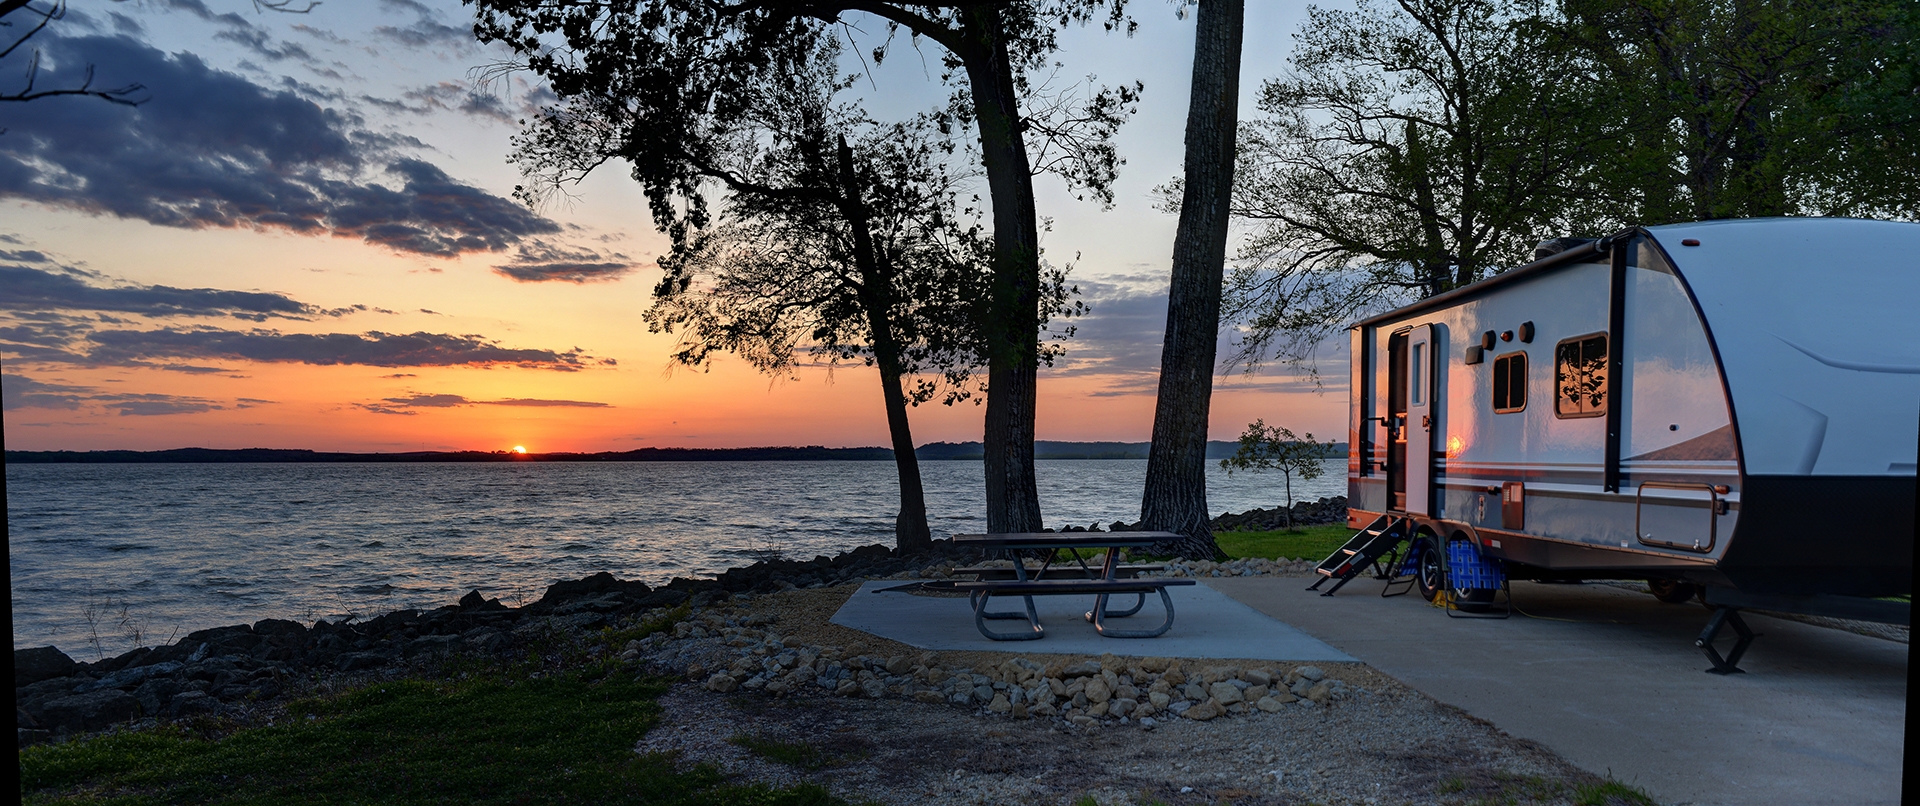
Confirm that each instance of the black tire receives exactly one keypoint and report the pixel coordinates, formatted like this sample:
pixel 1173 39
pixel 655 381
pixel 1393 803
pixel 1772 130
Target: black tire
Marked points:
pixel 1430 576
pixel 1672 591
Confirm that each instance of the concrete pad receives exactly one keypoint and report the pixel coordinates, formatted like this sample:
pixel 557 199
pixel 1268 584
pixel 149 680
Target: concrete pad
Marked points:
pixel 1207 624
pixel 1609 679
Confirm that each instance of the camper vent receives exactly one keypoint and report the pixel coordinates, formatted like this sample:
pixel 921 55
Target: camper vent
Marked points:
pixel 1554 246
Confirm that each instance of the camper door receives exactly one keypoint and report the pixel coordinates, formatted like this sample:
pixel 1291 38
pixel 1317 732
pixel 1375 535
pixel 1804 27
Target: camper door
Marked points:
pixel 1420 420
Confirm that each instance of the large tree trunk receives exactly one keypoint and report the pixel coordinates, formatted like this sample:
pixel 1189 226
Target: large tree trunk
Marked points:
pixel 1013 323
pixel 1176 492
pixel 910 532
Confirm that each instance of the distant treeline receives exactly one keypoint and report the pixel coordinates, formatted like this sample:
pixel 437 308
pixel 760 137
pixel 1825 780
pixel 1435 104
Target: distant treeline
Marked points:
pixel 933 451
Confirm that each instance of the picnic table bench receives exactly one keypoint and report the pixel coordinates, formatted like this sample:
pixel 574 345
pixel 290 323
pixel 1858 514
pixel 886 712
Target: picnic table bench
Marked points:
pixel 1109 579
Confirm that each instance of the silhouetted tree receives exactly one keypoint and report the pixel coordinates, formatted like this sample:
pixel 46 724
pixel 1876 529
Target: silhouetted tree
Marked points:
pixel 828 251
pixel 22 13
pixel 678 71
pixel 1175 498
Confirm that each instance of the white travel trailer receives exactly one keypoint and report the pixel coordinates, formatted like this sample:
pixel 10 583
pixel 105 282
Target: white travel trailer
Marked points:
pixel 1729 407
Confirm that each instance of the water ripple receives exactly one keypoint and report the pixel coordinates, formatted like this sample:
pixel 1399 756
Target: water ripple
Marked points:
pixel 194 546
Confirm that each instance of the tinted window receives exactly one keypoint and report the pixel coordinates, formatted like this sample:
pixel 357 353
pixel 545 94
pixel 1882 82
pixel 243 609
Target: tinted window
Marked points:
pixel 1580 376
pixel 1510 383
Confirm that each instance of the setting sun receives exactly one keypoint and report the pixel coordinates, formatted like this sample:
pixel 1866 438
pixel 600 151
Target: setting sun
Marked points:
pixel 519 449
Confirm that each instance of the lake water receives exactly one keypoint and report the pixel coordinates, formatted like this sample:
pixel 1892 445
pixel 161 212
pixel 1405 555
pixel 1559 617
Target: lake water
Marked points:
pixel 189 546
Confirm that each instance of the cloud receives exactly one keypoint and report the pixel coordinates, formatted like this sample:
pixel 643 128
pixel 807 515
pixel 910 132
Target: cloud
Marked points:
pixel 428 401
pixel 1121 337
pixel 24 288
pixel 325 349
pixel 400 405
pixel 426 32
pixel 538 261
pixel 211 149
pixel 22 392
pixel 528 401
pixel 149 405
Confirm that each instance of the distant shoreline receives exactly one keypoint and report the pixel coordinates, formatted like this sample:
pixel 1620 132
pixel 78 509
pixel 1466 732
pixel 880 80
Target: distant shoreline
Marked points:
pixel 936 451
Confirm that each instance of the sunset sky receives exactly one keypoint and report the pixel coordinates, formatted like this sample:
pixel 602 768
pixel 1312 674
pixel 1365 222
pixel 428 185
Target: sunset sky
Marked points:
pixel 303 238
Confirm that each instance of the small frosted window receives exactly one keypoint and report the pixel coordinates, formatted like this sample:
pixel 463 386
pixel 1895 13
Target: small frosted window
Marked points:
pixel 1510 383
pixel 1417 376
pixel 1580 377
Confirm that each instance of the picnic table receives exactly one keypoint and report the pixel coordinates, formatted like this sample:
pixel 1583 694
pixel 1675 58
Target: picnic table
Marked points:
pixel 1047 580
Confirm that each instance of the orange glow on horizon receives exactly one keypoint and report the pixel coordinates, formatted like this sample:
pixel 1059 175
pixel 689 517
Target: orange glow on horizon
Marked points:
pixel 519 449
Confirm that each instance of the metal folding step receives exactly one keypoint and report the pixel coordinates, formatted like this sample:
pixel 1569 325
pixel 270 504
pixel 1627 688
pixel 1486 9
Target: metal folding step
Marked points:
pixel 1364 550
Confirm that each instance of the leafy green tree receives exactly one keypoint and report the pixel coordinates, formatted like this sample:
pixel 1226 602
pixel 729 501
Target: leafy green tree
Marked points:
pixel 1175 498
pixel 1265 447
pixel 1740 108
pixel 669 79
pixel 1413 147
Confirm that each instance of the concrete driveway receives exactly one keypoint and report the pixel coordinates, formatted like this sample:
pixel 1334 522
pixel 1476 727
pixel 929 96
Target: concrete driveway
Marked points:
pixel 1610 679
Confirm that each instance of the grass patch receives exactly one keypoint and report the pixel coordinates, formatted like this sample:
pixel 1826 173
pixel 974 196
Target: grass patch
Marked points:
pixel 1304 543
pixel 1611 793
pixel 798 755
pixel 555 738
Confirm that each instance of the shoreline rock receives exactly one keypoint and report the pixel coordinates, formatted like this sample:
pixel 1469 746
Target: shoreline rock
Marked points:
pixel 216 670
pixel 211 671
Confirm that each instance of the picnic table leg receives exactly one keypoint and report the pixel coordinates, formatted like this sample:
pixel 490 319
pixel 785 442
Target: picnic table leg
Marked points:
pixel 1020 573
pixel 1138 603
pixel 1109 570
pixel 980 617
pixel 1099 609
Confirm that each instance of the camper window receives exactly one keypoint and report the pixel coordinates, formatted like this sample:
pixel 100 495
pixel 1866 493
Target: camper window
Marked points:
pixel 1510 383
pixel 1580 376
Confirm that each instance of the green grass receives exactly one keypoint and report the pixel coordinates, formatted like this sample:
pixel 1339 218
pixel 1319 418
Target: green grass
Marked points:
pixel 798 755
pixel 485 740
pixel 1304 543
pixel 1611 793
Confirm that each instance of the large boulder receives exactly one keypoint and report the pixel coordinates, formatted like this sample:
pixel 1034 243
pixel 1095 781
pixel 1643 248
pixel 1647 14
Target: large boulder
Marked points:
pixel 31 666
pixel 602 582
pixel 90 711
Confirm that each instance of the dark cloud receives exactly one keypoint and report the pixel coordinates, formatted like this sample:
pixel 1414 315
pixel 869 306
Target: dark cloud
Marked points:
pixel 401 405
pixel 212 149
pixel 22 392
pixel 1123 330
pixel 1121 337
pixel 324 349
pixel 24 288
pixel 527 401
pixel 321 34
pixel 149 405
pixel 239 30
pixel 428 401
pixel 427 32
pixel 539 261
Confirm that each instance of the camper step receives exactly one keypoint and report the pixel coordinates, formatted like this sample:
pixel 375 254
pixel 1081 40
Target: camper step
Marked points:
pixel 1361 551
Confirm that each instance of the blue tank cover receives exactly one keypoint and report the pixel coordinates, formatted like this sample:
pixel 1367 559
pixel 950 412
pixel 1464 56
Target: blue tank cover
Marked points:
pixel 1467 569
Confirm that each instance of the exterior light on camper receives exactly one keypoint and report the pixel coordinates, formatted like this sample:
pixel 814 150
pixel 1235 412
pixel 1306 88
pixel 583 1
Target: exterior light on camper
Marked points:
pixel 1506 335
pixel 1689 242
pixel 1526 332
pixel 1486 340
pixel 1475 354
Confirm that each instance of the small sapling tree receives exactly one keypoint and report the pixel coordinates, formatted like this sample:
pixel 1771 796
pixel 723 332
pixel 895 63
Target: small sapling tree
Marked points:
pixel 1273 447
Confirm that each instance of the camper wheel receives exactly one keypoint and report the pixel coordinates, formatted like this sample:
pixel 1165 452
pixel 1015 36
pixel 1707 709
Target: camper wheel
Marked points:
pixel 1431 576
pixel 1672 591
